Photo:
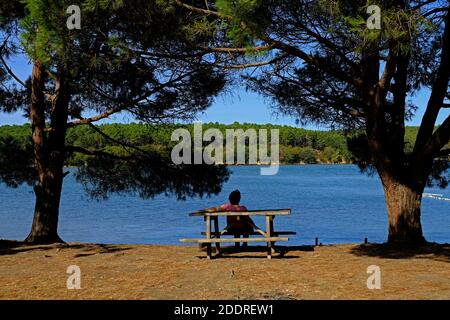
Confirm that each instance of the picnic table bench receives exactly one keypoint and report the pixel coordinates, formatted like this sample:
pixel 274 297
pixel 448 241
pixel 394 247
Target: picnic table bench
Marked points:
pixel 269 235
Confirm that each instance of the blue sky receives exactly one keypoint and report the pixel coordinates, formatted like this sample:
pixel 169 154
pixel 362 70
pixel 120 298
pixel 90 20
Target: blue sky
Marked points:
pixel 240 105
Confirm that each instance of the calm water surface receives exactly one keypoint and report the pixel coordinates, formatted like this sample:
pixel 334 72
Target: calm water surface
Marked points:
pixel 335 203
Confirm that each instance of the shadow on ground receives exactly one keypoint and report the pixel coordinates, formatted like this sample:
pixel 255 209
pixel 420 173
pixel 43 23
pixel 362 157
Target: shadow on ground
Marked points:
pixel 435 251
pixel 282 252
pixel 271 295
pixel 8 247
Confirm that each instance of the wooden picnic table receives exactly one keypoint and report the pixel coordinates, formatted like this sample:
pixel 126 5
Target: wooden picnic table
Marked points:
pixel 268 235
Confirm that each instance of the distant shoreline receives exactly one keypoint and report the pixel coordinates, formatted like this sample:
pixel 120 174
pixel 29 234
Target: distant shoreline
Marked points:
pixel 266 165
pixel 292 164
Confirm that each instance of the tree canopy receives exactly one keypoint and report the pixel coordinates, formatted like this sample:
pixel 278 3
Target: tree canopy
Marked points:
pixel 320 61
pixel 129 57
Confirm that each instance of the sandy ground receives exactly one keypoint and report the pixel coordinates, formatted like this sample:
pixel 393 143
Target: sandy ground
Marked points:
pixel 182 272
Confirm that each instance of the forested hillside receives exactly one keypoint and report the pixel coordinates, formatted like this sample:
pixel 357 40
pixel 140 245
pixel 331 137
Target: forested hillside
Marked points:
pixel 296 145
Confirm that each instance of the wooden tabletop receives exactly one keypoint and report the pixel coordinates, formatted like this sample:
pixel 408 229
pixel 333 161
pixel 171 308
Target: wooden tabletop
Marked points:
pixel 269 212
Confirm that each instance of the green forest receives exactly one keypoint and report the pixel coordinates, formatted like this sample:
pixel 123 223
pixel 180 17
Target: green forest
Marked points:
pixel 297 145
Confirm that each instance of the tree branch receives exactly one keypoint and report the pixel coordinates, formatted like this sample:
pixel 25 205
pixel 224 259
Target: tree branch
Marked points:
pixel 96 153
pixel 120 143
pixel 438 93
pixel 422 4
pixel 443 153
pixel 10 72
pixel 236 50
pixel 435 10
pixel 312 60
pixel 388 73
pixel 95 118
pixel 292 50
pixel 256 64
pixel 439 139
pixel 329 44
pixel 200 11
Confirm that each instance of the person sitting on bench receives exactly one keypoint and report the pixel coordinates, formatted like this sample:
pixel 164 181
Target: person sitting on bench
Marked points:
pixel 235 225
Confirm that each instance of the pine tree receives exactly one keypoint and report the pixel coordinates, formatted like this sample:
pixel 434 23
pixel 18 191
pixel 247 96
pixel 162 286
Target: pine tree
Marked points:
pixel 129 57
pixel 328 62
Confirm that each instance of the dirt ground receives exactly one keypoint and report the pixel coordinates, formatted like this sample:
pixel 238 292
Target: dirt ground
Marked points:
pixel 182 272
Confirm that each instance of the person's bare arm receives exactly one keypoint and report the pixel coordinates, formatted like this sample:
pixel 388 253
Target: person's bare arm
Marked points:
pixel 209 210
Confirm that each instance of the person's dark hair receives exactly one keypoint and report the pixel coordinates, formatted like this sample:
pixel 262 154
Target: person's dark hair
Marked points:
pixel 235 197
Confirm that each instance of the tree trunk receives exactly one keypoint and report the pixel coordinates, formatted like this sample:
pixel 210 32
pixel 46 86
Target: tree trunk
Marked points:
pixel 46 211
pixel 404 209
pixel 49 156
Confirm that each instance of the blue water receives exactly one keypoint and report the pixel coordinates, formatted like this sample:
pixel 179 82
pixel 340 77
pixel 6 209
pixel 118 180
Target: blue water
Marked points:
pixel 335 203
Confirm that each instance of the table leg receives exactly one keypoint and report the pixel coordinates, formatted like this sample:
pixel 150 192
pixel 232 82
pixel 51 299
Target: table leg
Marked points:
pixel 237 244
pixel 208 236
pixel 217 233
pixel 269 233
pixel 202 245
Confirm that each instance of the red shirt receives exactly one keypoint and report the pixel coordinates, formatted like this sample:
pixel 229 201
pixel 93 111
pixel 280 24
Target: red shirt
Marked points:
pixel 232 207
pixel 237 222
